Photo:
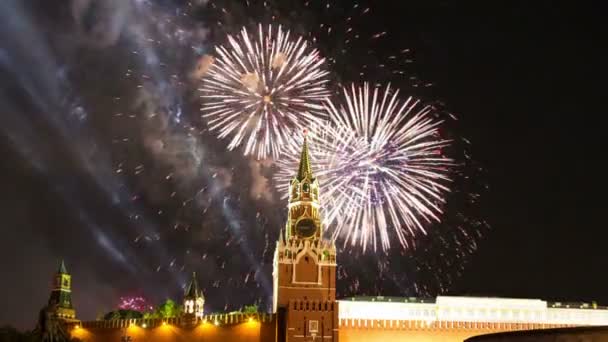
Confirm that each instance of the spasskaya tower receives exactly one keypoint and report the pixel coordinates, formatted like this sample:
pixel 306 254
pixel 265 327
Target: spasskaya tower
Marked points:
pixel 305 266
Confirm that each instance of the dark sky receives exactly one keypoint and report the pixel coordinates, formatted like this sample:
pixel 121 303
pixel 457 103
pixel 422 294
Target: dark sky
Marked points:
pixel 523 79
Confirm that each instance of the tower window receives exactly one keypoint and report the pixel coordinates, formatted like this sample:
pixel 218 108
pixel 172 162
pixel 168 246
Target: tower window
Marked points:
pixel 313 326
pixel 306 187
pixel 295 192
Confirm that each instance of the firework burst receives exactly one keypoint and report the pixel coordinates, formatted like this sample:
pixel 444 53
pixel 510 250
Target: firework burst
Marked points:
pixel 382 168
pixel 134 303
pixel 262 87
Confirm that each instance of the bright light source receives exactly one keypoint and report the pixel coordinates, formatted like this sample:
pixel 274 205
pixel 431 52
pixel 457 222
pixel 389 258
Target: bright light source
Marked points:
pixel 144 325
pixel 164 323
pixel 216 323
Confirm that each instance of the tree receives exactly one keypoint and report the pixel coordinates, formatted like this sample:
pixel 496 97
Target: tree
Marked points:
pixel 10 334
pixel 115 315
pixel 151 315
pixel 130 314
pixel 49 327
pixel 249 309
pixel 122 314
pixel 168 309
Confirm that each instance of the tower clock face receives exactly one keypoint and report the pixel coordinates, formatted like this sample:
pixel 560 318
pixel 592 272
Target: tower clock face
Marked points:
pixel 306 228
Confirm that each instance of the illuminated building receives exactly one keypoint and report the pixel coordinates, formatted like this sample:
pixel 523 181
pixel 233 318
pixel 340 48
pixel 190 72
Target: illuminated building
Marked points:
pixel 194 299
pixel 61 294
pixel 304 273
pixel 457 318
pixel 305 307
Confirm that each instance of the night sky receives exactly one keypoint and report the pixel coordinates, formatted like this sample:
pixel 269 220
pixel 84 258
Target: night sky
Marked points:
pixel 134 202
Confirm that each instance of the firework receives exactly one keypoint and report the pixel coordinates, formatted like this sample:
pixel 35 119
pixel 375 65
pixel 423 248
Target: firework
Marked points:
pixel 262 87
pixel 134 303
pixel 381 168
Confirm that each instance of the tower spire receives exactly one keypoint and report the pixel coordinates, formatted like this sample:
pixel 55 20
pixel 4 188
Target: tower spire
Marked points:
pixel 192 291
pixel 62 268
pixel 304 170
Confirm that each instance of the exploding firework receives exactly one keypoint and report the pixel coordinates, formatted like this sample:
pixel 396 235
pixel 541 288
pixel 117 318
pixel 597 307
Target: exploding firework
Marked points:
pixel 382 167
pixel 134 303
pixel 357 46
pixel 171 165
pixel 262 87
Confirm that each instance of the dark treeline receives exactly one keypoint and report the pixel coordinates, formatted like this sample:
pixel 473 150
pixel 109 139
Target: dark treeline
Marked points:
pixel 10 334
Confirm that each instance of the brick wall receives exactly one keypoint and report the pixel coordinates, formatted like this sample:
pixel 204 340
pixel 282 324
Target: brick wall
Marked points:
pixel 212 328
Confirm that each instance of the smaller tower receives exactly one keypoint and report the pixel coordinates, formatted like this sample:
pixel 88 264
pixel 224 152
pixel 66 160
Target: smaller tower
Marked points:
pixel 194 299
pixel 61 294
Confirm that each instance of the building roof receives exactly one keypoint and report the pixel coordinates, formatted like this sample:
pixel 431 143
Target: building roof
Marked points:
pixel 304 170
pixel 473 309
pixel 390 299
pixel 576 305
pixel 192 290
pixel 478 300
pixel 62 268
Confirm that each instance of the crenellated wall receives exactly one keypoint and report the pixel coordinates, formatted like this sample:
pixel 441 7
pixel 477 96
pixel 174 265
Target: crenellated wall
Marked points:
pixel 262 328
pixel 356 320
pixel 363 330
pixel 222 327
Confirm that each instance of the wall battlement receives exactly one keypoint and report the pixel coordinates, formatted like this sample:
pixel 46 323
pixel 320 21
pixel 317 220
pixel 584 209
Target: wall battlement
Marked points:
pixel 312 305
pixel 216 319
pixel 241 327
pixel 443 325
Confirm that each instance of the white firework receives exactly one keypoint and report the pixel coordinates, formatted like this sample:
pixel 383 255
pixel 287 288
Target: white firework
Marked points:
pixel 262 87
pixel 381 167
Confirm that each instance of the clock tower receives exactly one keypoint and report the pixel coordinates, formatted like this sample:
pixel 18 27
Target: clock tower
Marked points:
pixel 304 274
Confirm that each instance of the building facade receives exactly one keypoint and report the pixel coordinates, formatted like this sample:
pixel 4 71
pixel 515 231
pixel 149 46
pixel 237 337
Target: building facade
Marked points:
pixel 305 308
pixel 194 301
pixel 447 318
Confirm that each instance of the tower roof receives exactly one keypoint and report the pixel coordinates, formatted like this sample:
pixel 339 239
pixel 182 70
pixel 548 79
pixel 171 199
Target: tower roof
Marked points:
pixel 304 170
pixel 62 268
pixel 192 291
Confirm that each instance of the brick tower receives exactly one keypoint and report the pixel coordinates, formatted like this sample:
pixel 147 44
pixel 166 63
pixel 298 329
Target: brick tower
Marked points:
pixel 305 266
pixel 61 295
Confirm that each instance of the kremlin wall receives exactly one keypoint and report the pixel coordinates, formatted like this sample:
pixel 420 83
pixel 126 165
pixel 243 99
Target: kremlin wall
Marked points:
pixel 210 328
pixel 305 307
pixel 368 319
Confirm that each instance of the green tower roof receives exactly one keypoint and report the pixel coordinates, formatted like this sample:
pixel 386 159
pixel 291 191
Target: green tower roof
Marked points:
pixel 304 170
pixel 62 268
pixel 192 291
